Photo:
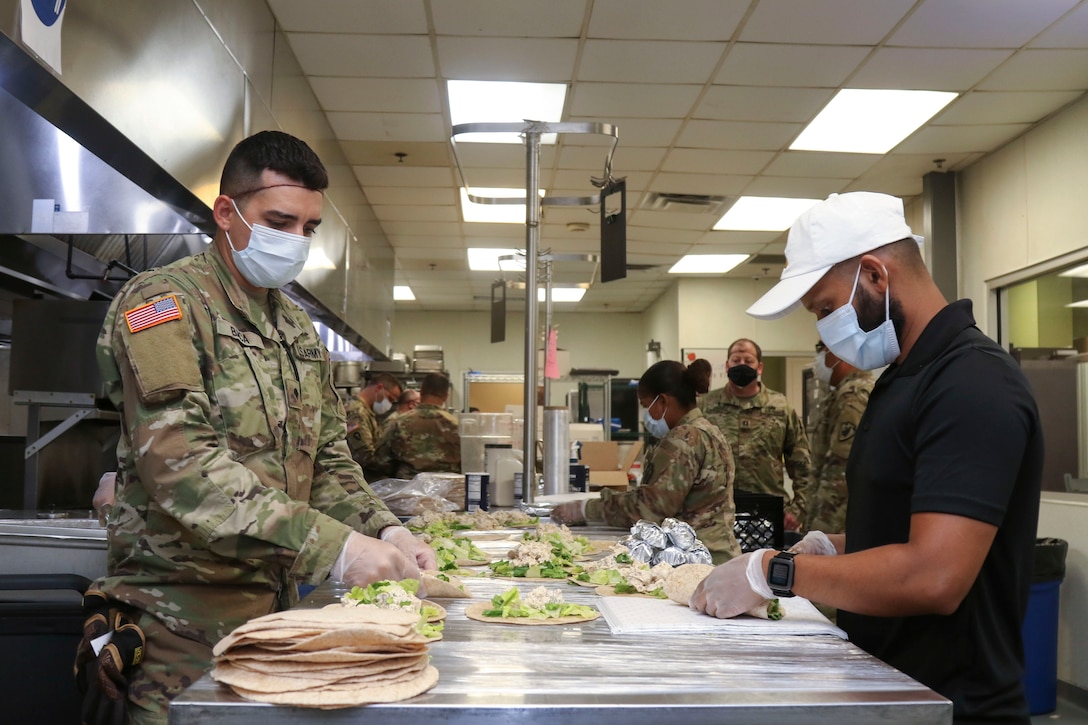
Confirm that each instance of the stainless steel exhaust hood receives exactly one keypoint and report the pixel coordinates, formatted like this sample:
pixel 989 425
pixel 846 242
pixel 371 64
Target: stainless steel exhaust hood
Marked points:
pixel 80 205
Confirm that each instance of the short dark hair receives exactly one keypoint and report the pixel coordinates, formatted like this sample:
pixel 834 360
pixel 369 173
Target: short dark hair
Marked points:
pixel 274 150
pixel 385 379
pixel 670 377
pixel 435 385
pixel 759 350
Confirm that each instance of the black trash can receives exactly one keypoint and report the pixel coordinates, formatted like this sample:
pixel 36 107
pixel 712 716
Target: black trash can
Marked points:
pixel 1040 630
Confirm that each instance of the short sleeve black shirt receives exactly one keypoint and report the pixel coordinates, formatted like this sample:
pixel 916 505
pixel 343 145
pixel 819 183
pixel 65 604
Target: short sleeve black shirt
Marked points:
pixel 954 429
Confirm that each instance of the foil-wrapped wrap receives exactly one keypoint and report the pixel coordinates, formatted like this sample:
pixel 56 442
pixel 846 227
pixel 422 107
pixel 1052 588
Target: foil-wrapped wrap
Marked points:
pixel 673 542
pixel 641 551
pixel 679 533
pixel 698 554
pixel 651 533
pixel 671 555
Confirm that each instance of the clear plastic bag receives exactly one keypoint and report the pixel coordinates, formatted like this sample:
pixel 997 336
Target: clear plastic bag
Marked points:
pixel 424 492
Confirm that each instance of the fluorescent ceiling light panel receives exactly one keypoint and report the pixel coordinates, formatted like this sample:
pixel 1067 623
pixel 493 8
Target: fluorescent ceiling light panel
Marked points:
pixel 504 102
pixel 1078 304
pixel 763 214
pixel 861 121
pixel 562 294
pixel 707 263
pixel 493 213
pixel 403 293
pixel 485 259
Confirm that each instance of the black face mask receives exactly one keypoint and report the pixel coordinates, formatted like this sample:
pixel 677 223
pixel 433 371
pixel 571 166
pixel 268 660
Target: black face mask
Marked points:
pixel 741 375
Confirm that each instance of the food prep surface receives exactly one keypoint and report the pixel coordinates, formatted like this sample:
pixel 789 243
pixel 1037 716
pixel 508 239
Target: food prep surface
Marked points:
pixel 582 673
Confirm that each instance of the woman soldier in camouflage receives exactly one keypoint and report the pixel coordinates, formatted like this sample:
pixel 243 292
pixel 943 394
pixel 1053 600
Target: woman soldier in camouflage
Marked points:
pixel 689 473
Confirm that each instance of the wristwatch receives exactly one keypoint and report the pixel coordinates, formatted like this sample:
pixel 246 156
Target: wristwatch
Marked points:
pixel 780 574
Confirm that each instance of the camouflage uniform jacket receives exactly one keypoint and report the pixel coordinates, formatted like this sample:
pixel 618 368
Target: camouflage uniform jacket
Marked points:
pixel 424 439
pixel 689 476
pixel 364 432
pixel 766 435
pixel 235 482
pixel 840 413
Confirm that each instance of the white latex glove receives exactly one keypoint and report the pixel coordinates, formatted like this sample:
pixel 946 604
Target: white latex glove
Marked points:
pixel 734 587
pixel 571 513
pixel 815 542
pixel 418 551
pixel 103 496
pixel 364 560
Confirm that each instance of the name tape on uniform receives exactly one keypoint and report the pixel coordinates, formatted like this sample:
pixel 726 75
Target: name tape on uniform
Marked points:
pixel 153 313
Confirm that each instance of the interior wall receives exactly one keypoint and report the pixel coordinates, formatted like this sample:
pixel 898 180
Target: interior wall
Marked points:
pixel 1020 206
pixel 660 322
pixel 605 340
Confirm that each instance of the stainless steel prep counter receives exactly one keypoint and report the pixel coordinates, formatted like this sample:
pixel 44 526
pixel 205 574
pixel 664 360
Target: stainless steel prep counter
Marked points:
pixel 500 673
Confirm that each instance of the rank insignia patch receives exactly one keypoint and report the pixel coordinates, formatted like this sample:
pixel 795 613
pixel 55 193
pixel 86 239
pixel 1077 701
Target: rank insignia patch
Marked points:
pixel 153 313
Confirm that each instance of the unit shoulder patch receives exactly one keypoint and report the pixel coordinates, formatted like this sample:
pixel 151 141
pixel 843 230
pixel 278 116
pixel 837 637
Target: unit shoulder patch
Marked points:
pixel 153 313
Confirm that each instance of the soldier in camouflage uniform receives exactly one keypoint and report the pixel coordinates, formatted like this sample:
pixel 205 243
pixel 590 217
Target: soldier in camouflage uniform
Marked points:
pixel 426 439
pixel 362 411
pixel 235 483
pixel 765 432
pixel 840 412
pixel 689 473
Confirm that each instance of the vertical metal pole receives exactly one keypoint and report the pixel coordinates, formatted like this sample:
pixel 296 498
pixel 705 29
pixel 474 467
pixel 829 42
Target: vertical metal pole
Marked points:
pixel 532 237
pixel 547 328
pixel 30 472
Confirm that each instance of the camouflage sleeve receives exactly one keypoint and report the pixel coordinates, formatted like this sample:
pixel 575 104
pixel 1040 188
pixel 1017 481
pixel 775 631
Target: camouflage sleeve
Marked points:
pixel 186 468
pixel 384 460
pixel 844 419
pixel 339 489
pixel 798 460
pixel 674 464
pixel 362 439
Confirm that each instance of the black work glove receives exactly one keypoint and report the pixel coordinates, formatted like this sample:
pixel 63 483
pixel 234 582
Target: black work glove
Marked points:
pixel 103 678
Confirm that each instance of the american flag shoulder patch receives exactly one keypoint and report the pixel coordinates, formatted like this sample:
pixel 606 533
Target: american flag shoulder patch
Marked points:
pixel 153 313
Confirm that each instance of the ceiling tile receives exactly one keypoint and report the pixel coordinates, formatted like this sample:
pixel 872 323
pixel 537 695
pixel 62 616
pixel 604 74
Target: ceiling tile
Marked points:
pixel 384 195
pixel 626 158
pixel 647 61
pixel 1041 70
pixel 737 135
pixel 579 181
pixel 422 229
pixel 744 241
pixel 834 22
pixel 945 139
pixel 553 19
pixel 402 175
pixel 772 64
pixel 384 153
pixel 664 235
pixel 714 184
pixel 387 126
pixel 377 56
pixel 743 103
pixel 704 161
pixel 608 101
pixel 797 187
pixel 631 132
pixel 1070 32
pixel 978 23
pixel 505 59
pixel 980 107
pixel 931 69
pixel 692 20
pixel 670 220
pixel 816 164
pixel 351 16
pixel 402 95
pixel 500 155
pixel 419 212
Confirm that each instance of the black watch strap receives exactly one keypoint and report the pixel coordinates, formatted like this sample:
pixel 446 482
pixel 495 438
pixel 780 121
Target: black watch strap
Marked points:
pixel 780 574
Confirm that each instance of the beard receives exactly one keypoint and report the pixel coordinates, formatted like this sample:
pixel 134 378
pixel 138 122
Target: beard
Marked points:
pixel 871 312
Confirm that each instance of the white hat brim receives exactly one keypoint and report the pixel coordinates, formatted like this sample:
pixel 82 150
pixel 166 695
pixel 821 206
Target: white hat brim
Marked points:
pixel 784 296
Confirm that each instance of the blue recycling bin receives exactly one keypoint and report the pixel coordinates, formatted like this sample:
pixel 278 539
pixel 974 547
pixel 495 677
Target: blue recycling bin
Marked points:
pixel 1040 629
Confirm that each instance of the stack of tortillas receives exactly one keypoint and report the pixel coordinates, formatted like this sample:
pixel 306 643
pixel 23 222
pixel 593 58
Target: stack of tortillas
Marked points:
pixel 326 658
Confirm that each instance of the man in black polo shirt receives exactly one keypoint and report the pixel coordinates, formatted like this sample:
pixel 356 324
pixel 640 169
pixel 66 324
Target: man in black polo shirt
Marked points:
pixel 933 573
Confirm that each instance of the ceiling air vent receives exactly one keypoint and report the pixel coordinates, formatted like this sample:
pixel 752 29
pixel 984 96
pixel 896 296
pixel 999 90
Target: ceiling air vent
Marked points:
pixel 689 203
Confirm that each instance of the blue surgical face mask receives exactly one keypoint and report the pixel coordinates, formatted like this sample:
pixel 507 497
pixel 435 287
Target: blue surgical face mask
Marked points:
pixel 273 257
pixel 820 368
pixel 657 427
pixel 843 335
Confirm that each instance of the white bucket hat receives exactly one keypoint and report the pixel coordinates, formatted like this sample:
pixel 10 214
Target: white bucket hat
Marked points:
pixel 842 227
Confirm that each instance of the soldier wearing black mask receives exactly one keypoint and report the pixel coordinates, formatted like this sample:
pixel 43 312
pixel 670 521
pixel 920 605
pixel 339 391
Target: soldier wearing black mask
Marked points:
pixel 766 434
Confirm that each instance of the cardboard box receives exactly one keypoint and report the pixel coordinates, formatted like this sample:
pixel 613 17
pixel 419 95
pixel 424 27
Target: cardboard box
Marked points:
pixel 606 468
